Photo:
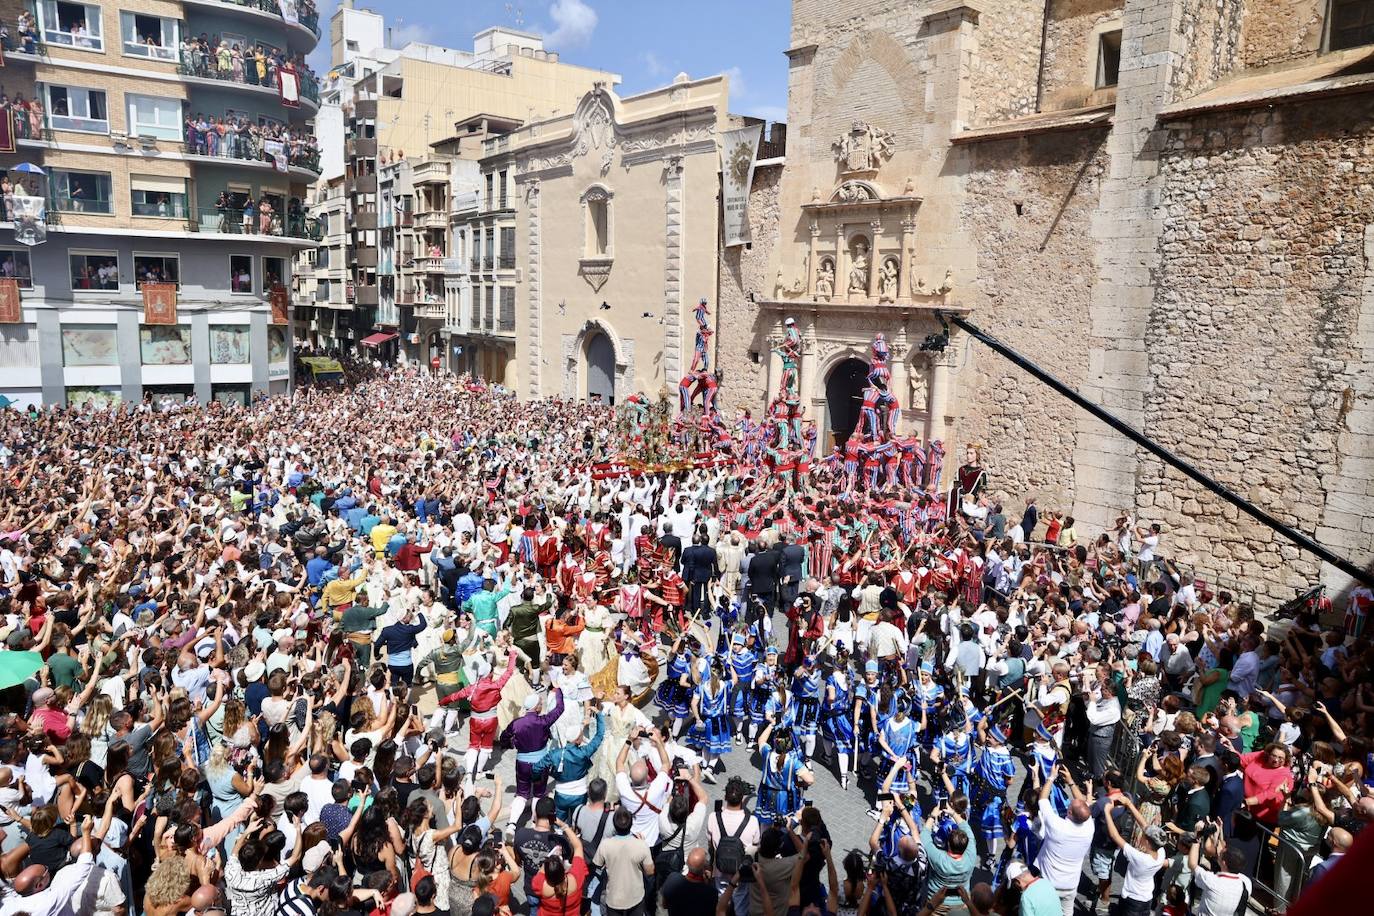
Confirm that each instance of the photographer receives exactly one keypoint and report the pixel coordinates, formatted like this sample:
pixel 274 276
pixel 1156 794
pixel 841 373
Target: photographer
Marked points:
pixel 952 866
pixel 1224 892
pixel 732 832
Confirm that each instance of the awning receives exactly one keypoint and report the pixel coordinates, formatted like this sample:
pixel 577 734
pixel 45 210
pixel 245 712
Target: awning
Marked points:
pixel 376 340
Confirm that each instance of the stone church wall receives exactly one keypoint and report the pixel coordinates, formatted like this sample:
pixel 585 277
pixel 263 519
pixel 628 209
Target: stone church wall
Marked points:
pixel 1071 33
pixel 1277 31
pixel 1260 336
pixel 744 270
pixel 1028 205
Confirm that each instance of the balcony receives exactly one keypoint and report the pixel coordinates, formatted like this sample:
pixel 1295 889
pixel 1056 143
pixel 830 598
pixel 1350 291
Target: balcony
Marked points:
pixel 360 148
pixel 365 109
pixel 236 222
pixel 431 307
pixel 362 184
pixel 200 69
pixel 364 257
pixel 306 164
pixel 365 219
pixel 475 265
pixel 488 262
pixel 405 297
pixel 431 219
pixel 430 172
pixel 506 262
pixel 429 265
pixel 307 20
pixel 405 218
pixel 365 295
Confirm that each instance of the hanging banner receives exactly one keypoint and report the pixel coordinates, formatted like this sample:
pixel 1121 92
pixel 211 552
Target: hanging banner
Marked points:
pixel 289 87
pixel 277 150
pixel 738 151
pixel 159 303
pixel 281 304
pixel 288 11
pixel 7 134
pixel 11 309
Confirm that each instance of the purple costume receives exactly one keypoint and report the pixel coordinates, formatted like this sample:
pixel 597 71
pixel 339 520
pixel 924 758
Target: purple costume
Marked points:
pixel 529 736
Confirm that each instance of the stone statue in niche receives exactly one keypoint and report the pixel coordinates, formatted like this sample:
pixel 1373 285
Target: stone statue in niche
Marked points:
pixel 858 272
pixel 887 281
pixel 947 284
pixel 864 148
pixel 825 280
pixel 779 285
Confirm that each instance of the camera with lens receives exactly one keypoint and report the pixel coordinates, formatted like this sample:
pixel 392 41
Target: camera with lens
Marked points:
pixel 877 863
pixel 745 875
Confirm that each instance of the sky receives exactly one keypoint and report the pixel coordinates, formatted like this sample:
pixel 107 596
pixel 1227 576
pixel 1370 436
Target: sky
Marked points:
pixel 647 42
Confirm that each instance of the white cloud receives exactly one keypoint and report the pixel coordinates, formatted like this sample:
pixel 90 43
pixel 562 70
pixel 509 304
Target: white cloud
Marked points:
pixel 738 88
pixel 652 65
pixel 573 24
pixel 406 32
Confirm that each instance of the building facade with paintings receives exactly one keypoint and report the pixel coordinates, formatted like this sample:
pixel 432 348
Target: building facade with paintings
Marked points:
pixel 171 142
pixel 1163 202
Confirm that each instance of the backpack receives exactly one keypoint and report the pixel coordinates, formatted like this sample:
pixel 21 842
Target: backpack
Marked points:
pixel 729 852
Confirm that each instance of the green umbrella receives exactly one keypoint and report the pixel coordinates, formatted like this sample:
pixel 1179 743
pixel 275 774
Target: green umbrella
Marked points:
pixel 18 667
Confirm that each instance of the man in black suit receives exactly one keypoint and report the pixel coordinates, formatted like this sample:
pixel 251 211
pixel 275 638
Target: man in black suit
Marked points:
pixel 671 544
pixel 764 571
pixel 793 556
pixel 1029 519
pixel 700 568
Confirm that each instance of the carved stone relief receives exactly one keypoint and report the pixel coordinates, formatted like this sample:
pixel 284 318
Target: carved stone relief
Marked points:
pixel 864 148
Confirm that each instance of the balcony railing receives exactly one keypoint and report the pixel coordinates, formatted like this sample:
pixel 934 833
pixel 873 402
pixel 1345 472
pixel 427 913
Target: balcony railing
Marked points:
pixel 244 147
pixel 506 323
pixel 475 264
pixel 487 262
pixel 430 265
pixel 66 204
pixel 309 18
pixel 206 66
pixel 237 222
pixel 507 262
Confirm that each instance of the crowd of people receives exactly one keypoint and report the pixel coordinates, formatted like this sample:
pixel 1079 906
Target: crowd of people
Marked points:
pixel 26 115
pixel 240 213
pixel 235 135
pixel 266 660
pixel 253 63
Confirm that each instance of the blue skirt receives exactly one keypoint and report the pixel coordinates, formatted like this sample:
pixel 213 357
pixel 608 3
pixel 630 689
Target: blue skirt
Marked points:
pixel 757 705
pixel 674 699
pixel 712 735
pixel 776 803
pixel 838 729
pixel 805 717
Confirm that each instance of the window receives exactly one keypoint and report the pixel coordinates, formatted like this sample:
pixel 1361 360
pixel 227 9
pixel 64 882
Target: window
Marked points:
pixel 70 108
pixel 596 233
pixel 1352 24
pixel 322 291
pixel 322 257
pixel 241 273
pixel 156 268
pixel 149 36
pixel 507 247
pixel 1108 59
pixel 81 192
pixel 151 116
pixel 599 229
pixel 95 270
pixel 273 273
pixel 351 45
pixel 491 185
pixel 154 195
pixel 14 262
pixel 507 317
pixel 73 25
pixel 165 345
pixel 502 190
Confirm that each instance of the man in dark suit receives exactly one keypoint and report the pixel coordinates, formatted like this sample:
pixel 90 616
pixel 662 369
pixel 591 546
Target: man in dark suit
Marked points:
pixel 793 556
pixel 671 545
pixel 700 568
pixel 1029 519
pixel 764 571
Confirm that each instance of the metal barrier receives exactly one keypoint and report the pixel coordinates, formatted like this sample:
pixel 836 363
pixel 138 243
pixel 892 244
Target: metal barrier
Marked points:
pixel 1279 868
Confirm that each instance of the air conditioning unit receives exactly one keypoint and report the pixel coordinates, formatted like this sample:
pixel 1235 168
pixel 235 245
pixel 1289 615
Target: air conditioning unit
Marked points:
pixel 147 141
pixel 120 139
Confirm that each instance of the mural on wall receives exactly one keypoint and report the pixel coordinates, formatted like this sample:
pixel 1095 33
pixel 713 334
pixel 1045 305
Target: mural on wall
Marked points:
pixel 89 346
pixel 165 345
pixel 276 345
pixel 229 345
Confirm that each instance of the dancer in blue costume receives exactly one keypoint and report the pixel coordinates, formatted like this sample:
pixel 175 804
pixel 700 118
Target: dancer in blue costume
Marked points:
pixel 783 778
pixel 710 732
pixel 954 749
pixel 1047 761
pixel 899 737
pixel 993 772
pixel 806 705
pixel 837 715
pixel 929 697
pixel 675 693
pixel 743 662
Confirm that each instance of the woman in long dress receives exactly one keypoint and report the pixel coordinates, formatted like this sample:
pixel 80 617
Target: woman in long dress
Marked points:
pixel 594 641
pixel 621 716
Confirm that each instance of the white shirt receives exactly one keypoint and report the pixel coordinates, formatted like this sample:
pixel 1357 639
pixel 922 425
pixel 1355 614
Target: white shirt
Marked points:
pixel 319 792
pixel 1220 892
pixel 70 893
pixel 645 809
pixel 1065 846
pixel 1139 883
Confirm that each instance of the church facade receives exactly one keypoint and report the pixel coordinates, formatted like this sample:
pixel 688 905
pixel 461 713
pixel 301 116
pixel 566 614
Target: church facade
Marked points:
pixel 1166 203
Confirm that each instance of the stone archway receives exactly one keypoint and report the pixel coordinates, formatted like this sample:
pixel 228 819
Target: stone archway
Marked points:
pixel 599 353
pixel 576 364
pixel 844 385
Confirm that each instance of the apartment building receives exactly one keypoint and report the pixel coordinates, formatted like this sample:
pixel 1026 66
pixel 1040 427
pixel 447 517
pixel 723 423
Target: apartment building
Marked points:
pixel 399 112
pixel 172 141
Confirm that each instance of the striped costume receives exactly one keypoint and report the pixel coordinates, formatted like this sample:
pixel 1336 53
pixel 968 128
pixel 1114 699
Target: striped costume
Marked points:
pixel 994 770
pixel 779 794
pixel 837 724
pixel 711 734
pixel 900 738
pixel 743 662
pixel 1047 758
pixel 806 704
pixel 674 696
pixel 956 751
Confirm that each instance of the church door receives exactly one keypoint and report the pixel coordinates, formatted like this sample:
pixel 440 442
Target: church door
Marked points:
pixel 600 369
pixel 844 391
